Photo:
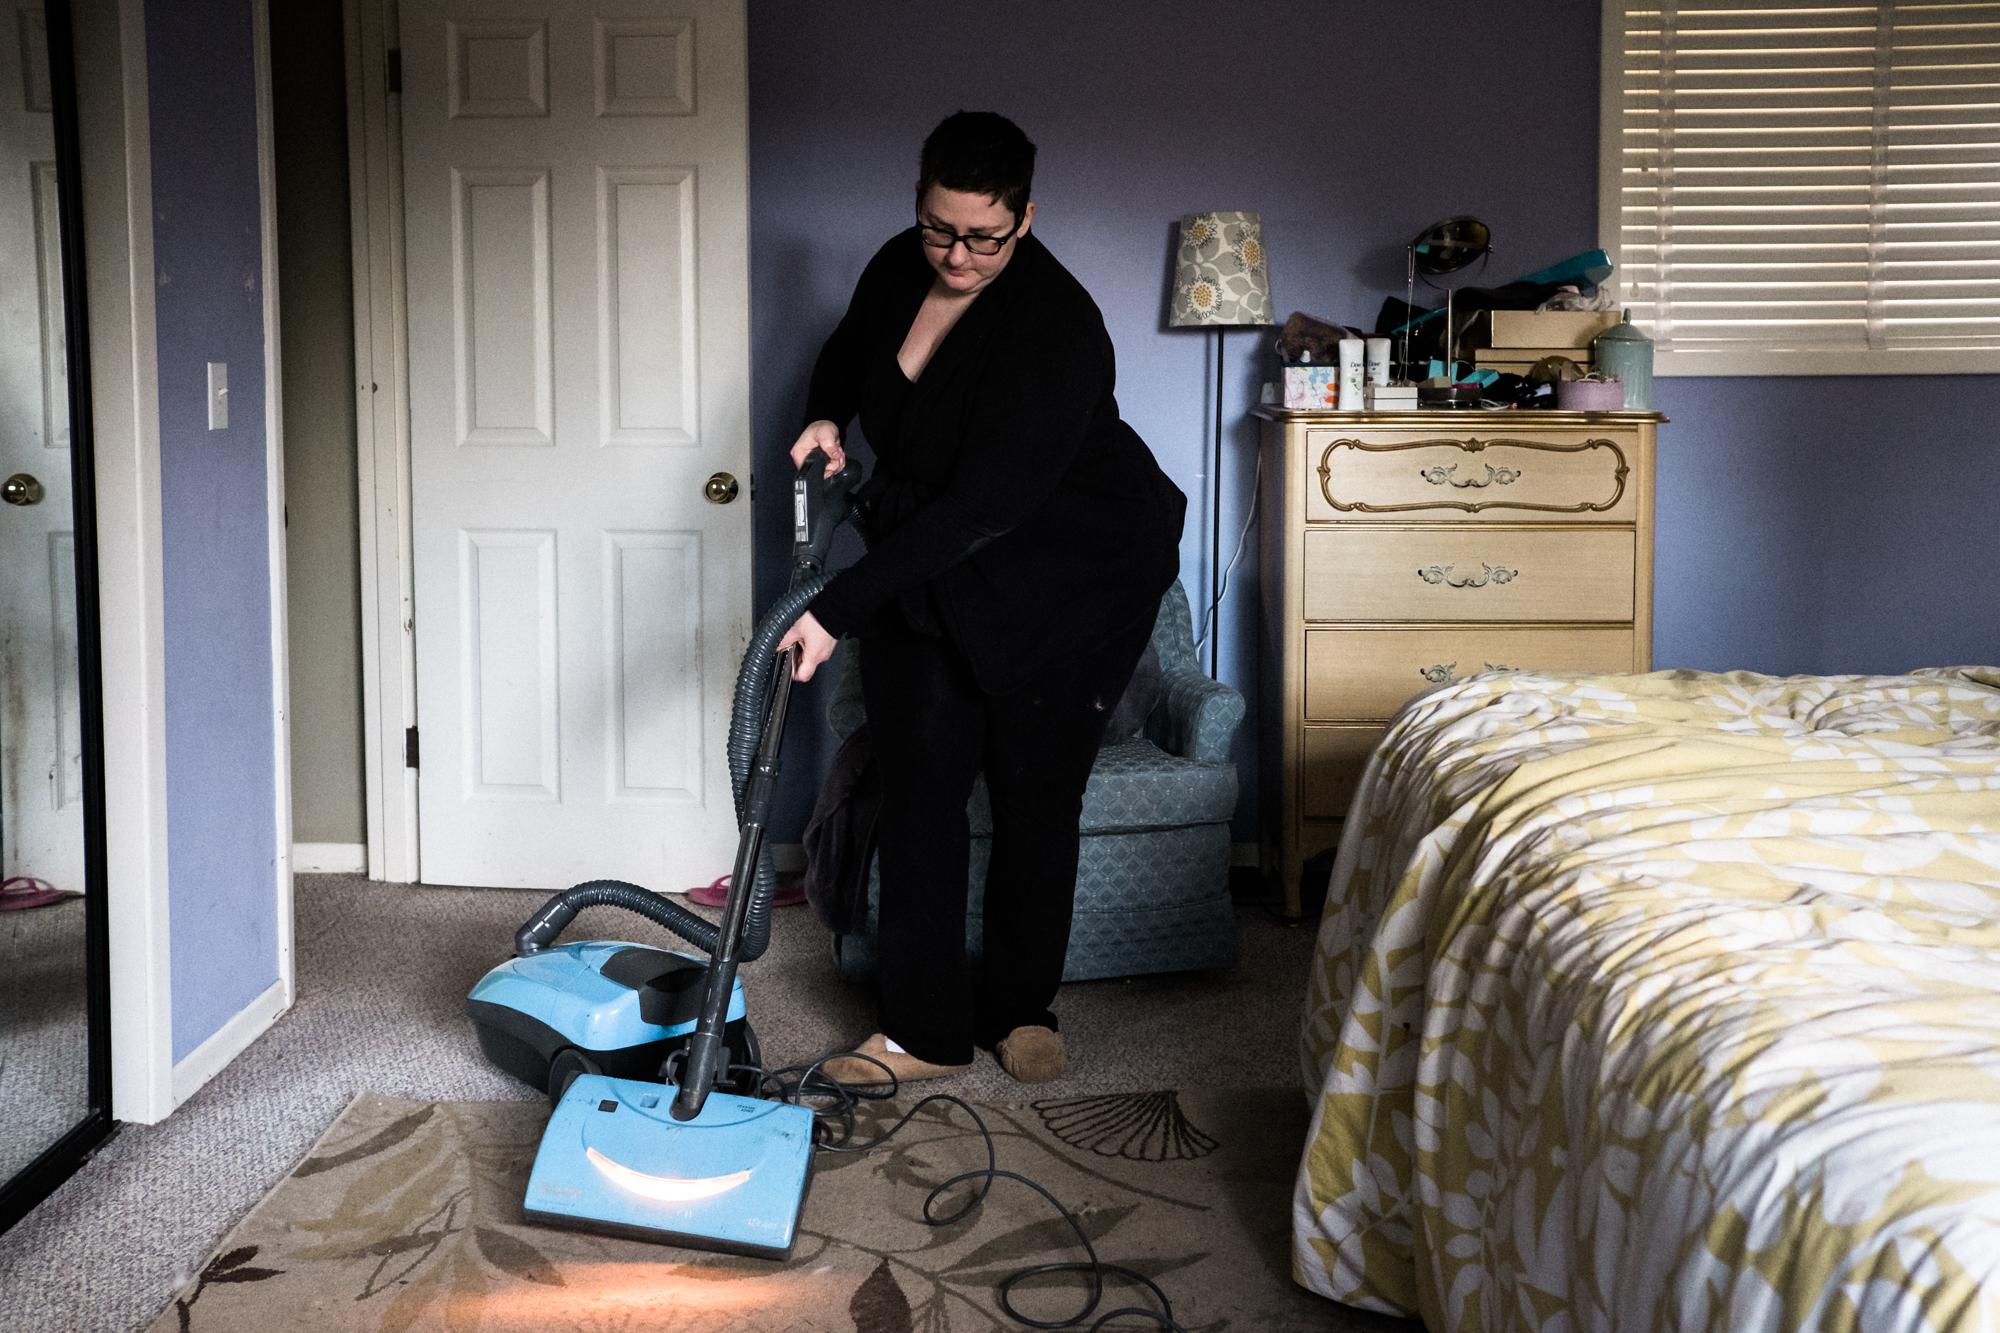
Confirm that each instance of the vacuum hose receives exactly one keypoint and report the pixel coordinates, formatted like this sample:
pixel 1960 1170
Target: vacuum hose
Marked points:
pixel 541 929
pixel 822 504
pixel 753 683
pixel 753 690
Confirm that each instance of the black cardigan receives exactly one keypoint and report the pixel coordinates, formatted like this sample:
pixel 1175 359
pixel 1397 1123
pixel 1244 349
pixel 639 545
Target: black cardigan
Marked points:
pixel 1039 521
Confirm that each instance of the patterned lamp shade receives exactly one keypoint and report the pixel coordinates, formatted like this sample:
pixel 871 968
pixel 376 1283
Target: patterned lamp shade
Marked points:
pixel 1219 277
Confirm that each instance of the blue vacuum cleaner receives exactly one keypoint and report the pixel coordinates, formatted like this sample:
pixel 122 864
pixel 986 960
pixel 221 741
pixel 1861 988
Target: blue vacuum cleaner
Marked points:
pixel 648 1055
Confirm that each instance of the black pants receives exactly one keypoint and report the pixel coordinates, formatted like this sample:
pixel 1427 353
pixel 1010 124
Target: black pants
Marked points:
pixel 934 731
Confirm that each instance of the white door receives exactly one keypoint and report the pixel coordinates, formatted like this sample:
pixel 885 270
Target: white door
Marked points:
pixel 576 210
pixel 41 748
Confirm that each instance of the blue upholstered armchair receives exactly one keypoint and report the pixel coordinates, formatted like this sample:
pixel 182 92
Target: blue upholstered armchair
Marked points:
pixel 1152 884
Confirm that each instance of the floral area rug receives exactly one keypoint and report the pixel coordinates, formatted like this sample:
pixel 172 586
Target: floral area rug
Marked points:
pixel 407 1216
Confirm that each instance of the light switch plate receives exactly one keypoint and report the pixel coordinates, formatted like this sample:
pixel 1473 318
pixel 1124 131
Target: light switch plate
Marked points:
pixel 218 395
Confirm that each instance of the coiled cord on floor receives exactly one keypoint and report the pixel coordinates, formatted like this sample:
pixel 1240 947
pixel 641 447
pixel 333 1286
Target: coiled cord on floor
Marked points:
pixel 833 1131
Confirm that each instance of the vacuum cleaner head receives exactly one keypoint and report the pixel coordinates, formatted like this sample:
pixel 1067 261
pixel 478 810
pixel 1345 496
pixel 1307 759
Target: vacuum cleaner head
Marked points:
pixel 596 1006
pixel 614 1160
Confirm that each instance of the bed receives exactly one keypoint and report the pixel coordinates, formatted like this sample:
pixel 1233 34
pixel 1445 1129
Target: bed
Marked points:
pixel 1666 1001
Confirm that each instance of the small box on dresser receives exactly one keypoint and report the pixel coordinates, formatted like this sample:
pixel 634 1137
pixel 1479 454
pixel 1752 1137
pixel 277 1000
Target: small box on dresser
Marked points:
pixel 1402 550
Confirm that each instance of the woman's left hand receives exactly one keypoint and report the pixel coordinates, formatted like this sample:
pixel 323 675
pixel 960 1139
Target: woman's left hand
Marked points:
pixel 820 435
pixel 815 645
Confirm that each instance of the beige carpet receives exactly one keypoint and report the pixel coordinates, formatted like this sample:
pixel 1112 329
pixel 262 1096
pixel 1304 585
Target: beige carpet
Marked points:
pixel 383 972
pixel 406 1216
pixel 44 1036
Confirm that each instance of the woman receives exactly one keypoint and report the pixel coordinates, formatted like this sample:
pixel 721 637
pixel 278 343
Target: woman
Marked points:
pixel 1023 538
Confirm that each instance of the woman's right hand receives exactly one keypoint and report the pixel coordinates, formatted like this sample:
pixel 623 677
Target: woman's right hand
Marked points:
pixel 813 643
pixel 820 435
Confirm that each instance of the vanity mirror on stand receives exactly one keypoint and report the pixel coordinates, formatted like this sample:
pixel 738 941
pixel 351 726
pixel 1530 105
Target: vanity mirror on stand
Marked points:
pixel 55 1042
pixel 1439 251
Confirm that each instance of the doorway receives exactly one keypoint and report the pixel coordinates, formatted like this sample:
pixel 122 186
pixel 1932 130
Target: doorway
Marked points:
pixel 552 328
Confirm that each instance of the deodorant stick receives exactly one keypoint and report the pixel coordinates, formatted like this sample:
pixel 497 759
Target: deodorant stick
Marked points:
pixel 1378 361
pixel 1351 370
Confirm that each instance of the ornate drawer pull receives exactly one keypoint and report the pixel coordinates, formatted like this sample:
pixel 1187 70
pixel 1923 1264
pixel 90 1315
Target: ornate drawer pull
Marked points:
pixel 1442 574
pixel 1443 673
pixel 1443 475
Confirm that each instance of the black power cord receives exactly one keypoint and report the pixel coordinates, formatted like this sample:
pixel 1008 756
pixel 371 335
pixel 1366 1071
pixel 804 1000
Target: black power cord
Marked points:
pixel 833 1131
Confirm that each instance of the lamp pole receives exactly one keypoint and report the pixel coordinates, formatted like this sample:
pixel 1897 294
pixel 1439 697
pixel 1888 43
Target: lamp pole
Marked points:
pixel 1219 268
pixel 1215 525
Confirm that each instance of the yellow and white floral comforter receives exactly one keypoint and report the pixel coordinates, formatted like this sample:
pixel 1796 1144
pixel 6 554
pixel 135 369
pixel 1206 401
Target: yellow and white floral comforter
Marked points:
pixel 1665 1002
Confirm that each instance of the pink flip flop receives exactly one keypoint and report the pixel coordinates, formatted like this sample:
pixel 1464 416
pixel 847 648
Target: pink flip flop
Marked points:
pixel 791 890
pixel 25 891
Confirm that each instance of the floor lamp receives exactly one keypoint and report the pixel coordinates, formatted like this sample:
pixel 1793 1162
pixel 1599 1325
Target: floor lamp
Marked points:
pixel 1220 283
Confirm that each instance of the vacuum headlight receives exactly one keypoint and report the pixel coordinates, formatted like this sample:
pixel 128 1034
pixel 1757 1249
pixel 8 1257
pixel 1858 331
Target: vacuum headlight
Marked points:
pixel 665 1189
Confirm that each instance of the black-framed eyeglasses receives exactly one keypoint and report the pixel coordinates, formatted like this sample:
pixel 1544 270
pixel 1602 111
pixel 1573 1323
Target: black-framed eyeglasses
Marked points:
pixel 939 238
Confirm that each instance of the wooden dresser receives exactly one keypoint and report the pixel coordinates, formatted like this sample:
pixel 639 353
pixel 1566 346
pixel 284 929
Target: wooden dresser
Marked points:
pixel 1404 550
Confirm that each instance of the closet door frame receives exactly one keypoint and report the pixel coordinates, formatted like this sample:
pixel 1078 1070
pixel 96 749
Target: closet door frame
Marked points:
pixel 40 1177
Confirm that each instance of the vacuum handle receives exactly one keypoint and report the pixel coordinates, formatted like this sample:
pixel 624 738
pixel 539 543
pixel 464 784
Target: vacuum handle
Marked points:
pixel 707 1057
pixel 820 504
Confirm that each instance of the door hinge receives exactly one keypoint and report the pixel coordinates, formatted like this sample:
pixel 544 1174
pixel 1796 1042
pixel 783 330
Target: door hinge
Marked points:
pixel 396 86
pixel 410 747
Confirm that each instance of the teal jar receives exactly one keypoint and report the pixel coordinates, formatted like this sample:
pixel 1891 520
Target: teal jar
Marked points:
pixel 1625 354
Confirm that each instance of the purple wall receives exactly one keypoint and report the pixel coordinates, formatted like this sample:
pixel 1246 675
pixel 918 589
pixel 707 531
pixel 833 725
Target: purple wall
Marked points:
pixel 1804 524
pixel 209 304
pixel 1827 524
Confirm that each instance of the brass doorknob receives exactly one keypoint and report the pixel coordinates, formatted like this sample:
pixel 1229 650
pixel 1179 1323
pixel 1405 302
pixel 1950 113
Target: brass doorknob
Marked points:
pixel 721 489
pixel 22 489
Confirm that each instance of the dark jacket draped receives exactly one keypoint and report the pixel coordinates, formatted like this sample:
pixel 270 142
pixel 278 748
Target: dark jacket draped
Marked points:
pixel 1009 496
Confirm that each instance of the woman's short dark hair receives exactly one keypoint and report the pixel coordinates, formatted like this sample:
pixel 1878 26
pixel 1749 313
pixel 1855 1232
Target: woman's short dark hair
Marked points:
pixel 979 152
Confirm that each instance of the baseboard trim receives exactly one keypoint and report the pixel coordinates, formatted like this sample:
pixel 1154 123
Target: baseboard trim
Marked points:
pixel 207 1060
pixel 330 858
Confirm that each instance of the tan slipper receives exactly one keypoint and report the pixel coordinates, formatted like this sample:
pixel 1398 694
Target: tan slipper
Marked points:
pixel 1033 1055
pixel 906 1067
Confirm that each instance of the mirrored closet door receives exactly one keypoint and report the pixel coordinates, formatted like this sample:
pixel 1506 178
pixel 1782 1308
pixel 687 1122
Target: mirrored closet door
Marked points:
pixel 54 1020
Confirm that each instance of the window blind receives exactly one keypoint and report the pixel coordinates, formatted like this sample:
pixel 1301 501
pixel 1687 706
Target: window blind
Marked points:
pixel 1795 187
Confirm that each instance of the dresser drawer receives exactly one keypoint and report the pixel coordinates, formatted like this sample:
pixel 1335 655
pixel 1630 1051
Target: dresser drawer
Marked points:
pixel 1330 764
pixel 1361 674
pixel 1391 477
pixel 1469 573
